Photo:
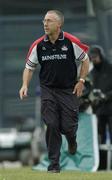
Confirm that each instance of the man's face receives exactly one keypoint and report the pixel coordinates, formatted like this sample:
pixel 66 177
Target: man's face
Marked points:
pixel 51 23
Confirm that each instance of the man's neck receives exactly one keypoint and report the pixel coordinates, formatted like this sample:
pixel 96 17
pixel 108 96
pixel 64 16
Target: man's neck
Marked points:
pixel 54 37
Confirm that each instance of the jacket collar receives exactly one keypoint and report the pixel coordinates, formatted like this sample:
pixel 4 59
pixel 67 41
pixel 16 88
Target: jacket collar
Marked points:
pixel 61 37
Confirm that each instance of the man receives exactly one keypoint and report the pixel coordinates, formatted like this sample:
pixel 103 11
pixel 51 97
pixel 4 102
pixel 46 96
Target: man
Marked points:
pixel 57 52
pixel 102 80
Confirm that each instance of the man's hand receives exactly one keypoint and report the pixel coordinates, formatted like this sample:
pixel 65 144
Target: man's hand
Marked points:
pixel 78 89
pixel 23 92
pixel 27 75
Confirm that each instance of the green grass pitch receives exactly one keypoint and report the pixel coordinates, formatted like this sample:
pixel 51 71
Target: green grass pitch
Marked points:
pixel 29 174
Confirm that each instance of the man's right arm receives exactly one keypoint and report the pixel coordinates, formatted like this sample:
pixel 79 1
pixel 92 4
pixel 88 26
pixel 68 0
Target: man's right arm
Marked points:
pixel 27 75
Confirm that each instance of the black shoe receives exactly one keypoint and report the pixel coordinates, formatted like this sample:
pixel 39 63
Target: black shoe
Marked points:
pixel 53 169
pixel 72 148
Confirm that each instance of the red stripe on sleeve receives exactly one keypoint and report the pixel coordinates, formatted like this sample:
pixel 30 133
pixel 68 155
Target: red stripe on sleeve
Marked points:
pixel 76 41
pixel 33 45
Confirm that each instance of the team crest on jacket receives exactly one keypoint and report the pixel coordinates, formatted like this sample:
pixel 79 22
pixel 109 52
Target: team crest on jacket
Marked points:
pixel 64 48
pixel 43 48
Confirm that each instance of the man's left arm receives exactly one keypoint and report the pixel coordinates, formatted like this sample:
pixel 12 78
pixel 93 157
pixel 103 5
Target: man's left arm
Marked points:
pixel 78 89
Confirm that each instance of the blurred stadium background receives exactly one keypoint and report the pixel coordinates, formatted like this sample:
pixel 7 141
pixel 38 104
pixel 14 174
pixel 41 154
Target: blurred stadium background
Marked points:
pixel 20 25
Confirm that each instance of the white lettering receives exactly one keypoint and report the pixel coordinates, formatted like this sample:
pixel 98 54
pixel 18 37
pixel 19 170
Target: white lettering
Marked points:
pixel 54 57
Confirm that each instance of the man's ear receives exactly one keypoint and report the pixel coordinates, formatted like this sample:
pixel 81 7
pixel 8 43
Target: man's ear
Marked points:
pixel 59 24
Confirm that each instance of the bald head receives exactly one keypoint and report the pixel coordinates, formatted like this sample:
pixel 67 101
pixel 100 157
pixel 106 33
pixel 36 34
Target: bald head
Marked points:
pixel 59 15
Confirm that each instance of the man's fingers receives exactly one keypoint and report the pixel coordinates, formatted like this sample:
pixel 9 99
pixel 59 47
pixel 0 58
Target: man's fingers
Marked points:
pixel 78 89
pixel 21 97
pixel 23 93
pixel 75 90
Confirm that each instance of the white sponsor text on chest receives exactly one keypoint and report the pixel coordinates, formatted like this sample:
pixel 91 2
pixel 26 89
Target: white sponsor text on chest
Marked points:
pixel 54 57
